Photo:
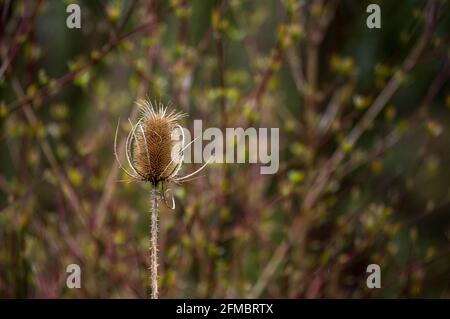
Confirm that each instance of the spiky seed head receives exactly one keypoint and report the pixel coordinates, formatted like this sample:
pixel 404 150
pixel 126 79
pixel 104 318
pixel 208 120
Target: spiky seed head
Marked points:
pixel 156 154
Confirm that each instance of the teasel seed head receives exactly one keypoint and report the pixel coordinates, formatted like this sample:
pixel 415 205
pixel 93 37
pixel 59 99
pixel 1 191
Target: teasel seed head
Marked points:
pixel 154 147
pixel 156 153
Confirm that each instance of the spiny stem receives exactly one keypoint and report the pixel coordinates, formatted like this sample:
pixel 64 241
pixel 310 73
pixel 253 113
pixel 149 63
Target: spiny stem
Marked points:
pixel 154 244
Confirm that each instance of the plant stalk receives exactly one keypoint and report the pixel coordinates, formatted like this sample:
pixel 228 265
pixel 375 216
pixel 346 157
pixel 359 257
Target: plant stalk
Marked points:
pixel 154 245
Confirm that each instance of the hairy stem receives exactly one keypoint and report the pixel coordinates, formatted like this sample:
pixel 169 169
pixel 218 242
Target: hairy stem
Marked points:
pixel 154 245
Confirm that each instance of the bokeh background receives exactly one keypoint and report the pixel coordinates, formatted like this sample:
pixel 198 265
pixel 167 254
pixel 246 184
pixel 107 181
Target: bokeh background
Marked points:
pixel 364 148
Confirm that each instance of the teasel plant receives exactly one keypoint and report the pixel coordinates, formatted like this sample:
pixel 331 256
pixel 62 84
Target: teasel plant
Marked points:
pixel 154 150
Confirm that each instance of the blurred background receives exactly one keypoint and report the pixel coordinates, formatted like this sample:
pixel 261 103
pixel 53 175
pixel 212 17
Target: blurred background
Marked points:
pixel 364 148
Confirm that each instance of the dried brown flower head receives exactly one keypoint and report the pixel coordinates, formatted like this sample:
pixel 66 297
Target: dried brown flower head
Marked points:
pixel 152 152
pixel 156 154
pixel 155 145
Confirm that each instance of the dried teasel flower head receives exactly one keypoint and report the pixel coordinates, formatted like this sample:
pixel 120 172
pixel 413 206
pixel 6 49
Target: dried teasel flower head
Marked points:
pixel 155 144
pixel 157 154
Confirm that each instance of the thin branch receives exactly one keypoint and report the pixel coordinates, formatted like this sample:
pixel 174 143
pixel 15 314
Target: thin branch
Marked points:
pixel 70 76
pixel 298 228
pixel 57 169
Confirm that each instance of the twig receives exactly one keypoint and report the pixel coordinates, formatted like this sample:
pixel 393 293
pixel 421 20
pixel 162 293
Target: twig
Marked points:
pixel 70 76
pixel 24 28
pixel 46 149
pixel 297 229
